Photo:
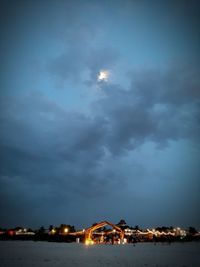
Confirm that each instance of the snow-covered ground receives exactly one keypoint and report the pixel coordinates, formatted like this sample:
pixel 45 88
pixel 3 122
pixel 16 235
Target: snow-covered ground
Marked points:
pixel 30 254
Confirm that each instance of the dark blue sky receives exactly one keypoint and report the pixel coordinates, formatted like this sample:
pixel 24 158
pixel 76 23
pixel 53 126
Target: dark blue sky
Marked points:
pixel 75 149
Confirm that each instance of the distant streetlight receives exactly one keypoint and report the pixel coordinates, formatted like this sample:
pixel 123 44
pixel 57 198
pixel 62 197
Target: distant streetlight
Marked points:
pixel 66 230
pixel 53 231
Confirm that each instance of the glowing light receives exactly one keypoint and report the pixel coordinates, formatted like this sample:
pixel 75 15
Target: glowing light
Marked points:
pixel 124 241
pixel 89 242
pixel 53 231
pixel 66 230
pixel 103 75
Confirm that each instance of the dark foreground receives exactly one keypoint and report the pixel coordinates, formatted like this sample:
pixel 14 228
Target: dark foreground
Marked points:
pixel 32 254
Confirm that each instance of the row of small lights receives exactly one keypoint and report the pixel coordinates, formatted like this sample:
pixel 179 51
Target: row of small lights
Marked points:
pixel 66 230
pixel 91 242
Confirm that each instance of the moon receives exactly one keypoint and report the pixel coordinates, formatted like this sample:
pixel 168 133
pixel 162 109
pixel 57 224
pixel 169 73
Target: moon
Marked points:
pixel 103 75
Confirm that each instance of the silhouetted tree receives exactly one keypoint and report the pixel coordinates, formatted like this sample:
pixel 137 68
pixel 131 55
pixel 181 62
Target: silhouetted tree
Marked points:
pixel 136 227
pixel 51 227
pixel 69 227
pixel 122 222
pixel 41 230
pixel 192 230
pixel 164 228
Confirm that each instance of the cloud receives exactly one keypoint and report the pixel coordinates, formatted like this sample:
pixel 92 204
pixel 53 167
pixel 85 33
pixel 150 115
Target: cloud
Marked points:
pixel 71 155
pixel 175 85
pixel 159 106
pixel 82 53
pixel 101 59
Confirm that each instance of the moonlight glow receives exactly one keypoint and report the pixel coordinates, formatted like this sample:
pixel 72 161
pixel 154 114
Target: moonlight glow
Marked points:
pixel 103 75
pixel 99 114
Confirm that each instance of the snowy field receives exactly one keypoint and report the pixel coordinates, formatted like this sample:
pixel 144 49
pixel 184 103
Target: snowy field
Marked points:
pixel 30 254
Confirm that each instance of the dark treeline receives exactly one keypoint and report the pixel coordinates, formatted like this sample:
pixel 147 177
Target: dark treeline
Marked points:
pixel 68 233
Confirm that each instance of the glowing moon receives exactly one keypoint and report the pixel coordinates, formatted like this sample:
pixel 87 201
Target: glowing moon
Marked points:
pixel 103 75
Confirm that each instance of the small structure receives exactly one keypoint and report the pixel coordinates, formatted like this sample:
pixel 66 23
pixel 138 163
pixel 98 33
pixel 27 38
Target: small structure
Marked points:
pixel 89 231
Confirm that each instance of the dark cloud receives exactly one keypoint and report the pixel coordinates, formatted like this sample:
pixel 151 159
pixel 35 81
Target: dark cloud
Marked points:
pixel 159 106
pixel 80 57
pixel 68 154
pixel 177 85
pixel 56 158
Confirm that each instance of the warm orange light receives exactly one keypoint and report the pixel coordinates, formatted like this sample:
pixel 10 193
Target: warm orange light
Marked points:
pixel 53 231
pixel 89 241
pixel 66 230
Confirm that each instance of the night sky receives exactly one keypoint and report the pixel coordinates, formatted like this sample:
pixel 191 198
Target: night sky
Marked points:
pixel 99 112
